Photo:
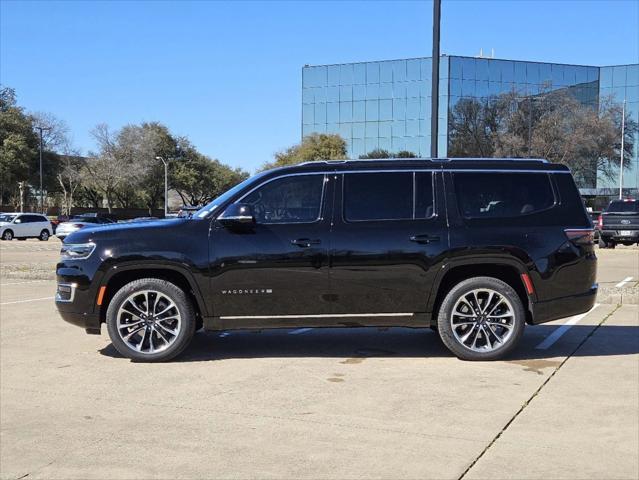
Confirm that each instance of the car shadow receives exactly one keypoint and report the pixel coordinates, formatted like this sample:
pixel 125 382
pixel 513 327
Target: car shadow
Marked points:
pixel 352 344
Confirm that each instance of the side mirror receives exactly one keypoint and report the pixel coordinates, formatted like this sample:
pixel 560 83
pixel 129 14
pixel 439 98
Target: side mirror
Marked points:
pixel 237 215
pixel 17 220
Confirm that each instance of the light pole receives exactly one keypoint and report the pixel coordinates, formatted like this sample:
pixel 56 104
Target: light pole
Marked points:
pixel 41 192
pixel 623 125
pixel 166 185
pixel 434 94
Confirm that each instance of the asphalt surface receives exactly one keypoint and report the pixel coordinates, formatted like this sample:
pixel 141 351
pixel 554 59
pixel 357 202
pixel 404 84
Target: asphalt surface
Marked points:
pixel 317 403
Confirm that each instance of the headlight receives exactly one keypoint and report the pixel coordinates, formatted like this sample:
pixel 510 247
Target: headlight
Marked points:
pixel 76 251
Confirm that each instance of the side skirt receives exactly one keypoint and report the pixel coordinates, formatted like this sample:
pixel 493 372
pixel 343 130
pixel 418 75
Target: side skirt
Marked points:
pixel 414 320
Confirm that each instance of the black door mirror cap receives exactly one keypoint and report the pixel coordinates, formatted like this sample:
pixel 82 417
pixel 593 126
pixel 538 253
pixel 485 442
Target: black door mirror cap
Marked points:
pixel 237 215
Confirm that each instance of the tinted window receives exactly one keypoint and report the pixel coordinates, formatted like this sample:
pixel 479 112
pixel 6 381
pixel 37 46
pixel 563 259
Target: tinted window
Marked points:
pixel 295 199
pixel 619 206
pixel 424 207
pixel 495 195
pixel 378 196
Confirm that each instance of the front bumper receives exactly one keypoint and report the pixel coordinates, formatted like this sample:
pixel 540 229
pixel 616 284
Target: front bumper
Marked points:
pixel 562 307
pixel 75 299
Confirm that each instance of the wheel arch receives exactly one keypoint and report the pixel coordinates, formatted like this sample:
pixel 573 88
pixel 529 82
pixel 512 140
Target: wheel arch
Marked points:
pixel 507 270
pixel 116 278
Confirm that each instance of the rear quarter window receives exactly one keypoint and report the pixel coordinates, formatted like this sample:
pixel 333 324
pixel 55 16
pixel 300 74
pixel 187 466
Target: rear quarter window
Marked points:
pixel 502 195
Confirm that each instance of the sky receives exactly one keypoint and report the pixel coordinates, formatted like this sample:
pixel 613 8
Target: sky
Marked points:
pixel 228 74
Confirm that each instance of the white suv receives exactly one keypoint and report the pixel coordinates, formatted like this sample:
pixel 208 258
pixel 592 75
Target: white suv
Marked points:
pixel 24 225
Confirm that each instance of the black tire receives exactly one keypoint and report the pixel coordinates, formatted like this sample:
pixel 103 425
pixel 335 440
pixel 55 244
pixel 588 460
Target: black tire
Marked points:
pixel 465 287
pixel 182 304
pixel 602 243
pixel 7 235
pixel 44 235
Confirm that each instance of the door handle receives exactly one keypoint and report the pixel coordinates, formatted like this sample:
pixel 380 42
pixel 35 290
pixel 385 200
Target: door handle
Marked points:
pixel 424 239
pixel 305 242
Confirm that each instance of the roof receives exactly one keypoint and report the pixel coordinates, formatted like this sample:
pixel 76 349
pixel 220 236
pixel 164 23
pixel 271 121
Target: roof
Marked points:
pixel 428 163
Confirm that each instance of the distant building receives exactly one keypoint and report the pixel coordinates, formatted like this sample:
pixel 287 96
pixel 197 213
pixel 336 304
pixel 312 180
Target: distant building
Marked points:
pixel 387 104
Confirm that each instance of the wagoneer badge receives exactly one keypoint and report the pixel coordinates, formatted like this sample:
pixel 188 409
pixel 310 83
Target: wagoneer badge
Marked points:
pixel 248 291
pixel 625 222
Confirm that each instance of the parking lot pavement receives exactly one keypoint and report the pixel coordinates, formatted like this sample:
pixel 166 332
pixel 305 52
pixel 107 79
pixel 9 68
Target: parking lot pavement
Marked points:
pixel 311 403
pixel 585 422
pixel 618 265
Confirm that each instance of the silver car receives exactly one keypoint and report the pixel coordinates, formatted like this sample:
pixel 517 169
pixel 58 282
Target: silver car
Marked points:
pixel 76 223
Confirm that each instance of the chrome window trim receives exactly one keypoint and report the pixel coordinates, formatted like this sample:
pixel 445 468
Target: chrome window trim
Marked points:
pixel 326 173
pixel 322 199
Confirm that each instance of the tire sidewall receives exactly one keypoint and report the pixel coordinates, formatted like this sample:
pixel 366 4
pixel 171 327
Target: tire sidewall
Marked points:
pixel 462 288
pixel 7 235
pixel 44 236
pixel 183 304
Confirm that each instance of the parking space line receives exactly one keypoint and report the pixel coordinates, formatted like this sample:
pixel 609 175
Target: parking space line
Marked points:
pixel 27 281
pixel 556 335
pixel 299 330
pixel 623 282
pixel 26 301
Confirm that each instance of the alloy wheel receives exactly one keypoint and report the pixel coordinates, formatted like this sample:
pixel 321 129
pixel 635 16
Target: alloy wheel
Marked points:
pixel 482 320
pixel 148 321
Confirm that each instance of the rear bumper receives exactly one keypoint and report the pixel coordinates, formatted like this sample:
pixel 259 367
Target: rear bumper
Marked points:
pixel 617 236
pixel 564 307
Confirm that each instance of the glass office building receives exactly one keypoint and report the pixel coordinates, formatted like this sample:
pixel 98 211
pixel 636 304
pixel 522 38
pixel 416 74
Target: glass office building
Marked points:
pixel 387 104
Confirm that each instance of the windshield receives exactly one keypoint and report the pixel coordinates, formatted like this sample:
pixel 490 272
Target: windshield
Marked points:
pixel 7 218
pixel 619 206
pixel 211 206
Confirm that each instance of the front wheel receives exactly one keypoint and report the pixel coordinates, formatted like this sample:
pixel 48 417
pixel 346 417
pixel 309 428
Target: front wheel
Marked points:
pixel 481 318
pixel 7 235
pixel 150 320
pixel 44 236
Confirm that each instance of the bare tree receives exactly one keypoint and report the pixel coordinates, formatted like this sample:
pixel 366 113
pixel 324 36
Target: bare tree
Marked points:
pixel 70 177
pixel 56 136
pixel 105 171
pixel 553 125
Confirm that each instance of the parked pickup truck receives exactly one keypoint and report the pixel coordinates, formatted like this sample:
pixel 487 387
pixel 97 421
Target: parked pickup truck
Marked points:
pixel 619 223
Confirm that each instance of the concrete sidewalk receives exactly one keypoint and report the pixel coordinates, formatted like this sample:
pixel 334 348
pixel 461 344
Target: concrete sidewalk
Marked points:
pixel 584 422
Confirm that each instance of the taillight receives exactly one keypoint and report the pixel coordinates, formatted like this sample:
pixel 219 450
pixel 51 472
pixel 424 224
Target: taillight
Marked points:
pixel 581 236
pixel 600 222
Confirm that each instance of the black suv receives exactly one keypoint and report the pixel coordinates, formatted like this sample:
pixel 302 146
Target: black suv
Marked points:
pixel 472 248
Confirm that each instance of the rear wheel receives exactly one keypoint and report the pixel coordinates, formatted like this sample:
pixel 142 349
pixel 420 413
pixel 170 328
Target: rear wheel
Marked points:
pixel 44 235
pixel 150 320
pixel 7 235
pixel 481 318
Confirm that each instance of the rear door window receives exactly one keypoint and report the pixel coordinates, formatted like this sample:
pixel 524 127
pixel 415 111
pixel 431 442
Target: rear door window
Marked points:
pixel 388 196
pixel 501 195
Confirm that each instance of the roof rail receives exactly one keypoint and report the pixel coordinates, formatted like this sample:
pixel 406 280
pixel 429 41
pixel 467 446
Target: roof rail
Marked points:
pixel 540 160
pixel 328 162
